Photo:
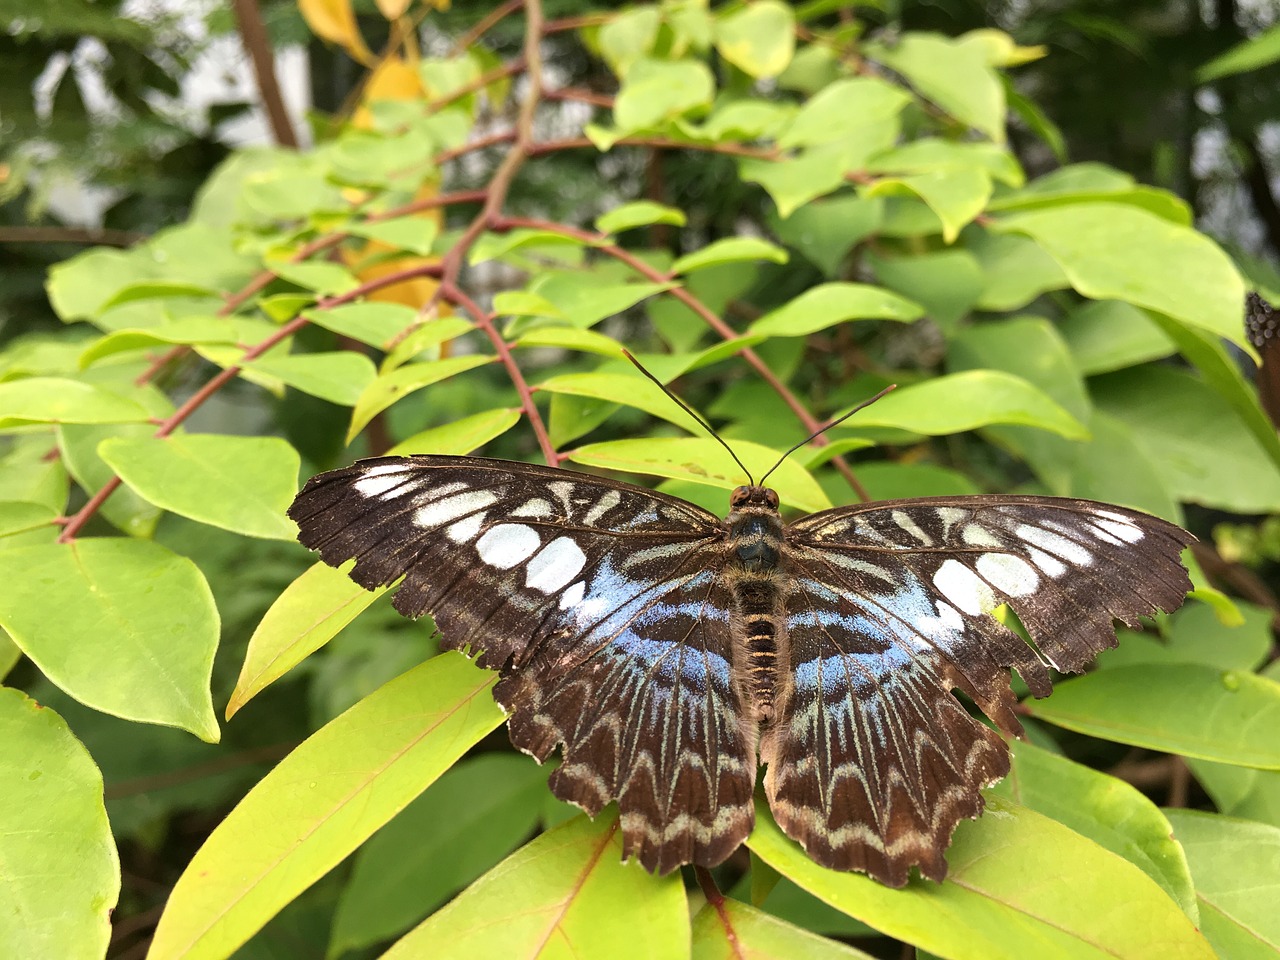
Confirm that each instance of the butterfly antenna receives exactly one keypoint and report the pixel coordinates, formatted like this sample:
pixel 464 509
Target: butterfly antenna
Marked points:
pixel 823 429
pixel 691 412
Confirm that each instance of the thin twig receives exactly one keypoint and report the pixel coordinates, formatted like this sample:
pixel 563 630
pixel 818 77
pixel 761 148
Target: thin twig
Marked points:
pixel 509 69
pixel 483 26
pixel 659 143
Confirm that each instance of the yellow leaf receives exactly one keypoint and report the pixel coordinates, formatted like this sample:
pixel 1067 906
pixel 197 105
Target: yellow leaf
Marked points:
pixel 392 79
pixel 333 20
pixel 393 9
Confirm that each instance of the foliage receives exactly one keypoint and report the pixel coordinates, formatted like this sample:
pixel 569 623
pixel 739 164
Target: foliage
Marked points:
pixel 431 279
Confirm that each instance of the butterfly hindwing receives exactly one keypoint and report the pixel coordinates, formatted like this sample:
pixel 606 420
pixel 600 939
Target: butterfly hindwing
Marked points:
pixel 872 760
pixel 597 600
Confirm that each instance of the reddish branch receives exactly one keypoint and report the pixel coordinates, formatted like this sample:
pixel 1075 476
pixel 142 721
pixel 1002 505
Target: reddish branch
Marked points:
pixel 253 34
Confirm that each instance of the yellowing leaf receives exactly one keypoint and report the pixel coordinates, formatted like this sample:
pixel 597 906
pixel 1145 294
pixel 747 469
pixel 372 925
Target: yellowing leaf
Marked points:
pixel 392 79
pixel 393 9
pixel 333 20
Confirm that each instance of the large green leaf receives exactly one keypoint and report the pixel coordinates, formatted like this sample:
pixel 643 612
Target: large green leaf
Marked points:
pixel 1191 433
pixel 61 875
pixel 954 75
pixel 957 196
pixel 566 894
pixel 124 626
pixel 1108 335
pixel 729 250
pixel 758 39
pixel 322 801
pixel 461 436
pixel 339 376
pixel 242 484
pixel 966 401
pixel 656 90
pixel 1198 711
pixel 78 444
pixel 1234 864
pixel 704 461
pixel 840 108
pixel 1020 885
pixel 1108 811
pixel 1112 251
pixel 466 821
pixel 830 303
pixel 626 388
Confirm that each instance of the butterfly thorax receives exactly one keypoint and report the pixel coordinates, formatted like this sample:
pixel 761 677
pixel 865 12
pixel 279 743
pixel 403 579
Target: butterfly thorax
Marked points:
pixel 754 531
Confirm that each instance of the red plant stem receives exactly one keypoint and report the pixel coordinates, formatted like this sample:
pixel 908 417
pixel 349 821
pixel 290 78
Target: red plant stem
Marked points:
pixel 573 23
pixel 659 143
pixel 579 95
pixel 599 242
pixel 508 69
pixel 225 376
pixel 507 136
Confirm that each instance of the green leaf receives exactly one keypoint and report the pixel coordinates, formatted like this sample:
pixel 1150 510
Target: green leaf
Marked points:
pixel 339 376
pixel 27 473
pixel 123 626
pixel 1195 635
pixel 1225 715
pixel 954 75
pixel 154 290
pixel 399 383
pixel 736 931
pixel 1016 270
pixel 474 815
pixel 1030 347
pixel 571 338
pixel 656 90
pixel 640 213
pixel 308 614
pixel 584 303
pixel 62 875
pixel 956 196
pixel 758 39
pixel 1113 468
pixel 241 484
pixel 1108 811
pixel 1111 251
pixel 1072 899
pixel 947 283
pixel 495 246
pixel 1193 436
pixel 1248 55
pixel 327 279
pixel 842 108
pixel 187 330
pixel 21 516
pixel 57 400
pixel 521 303
pixel 630 389
pixel 461 436
pixel 1111 335
pixel 704 461
pixel 966 401
pixel 424 339
pixel 381 324
pixel 414 234
pixel 830 303
pixel 559 896
pixel 628 36
pixel 1233 863
pixel 826 230
pixel 1221 372
pixel 322 801
pixel 794 181
pixel 729 250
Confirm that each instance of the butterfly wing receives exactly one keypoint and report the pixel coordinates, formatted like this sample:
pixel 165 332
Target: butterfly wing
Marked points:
pixel 598 601
pixel 872 760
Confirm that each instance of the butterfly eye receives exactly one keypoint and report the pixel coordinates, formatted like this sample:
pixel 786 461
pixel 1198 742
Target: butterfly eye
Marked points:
pixel 771 496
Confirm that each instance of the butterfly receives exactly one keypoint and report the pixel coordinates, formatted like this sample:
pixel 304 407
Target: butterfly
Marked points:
pixel 670 651
pixel 1262 327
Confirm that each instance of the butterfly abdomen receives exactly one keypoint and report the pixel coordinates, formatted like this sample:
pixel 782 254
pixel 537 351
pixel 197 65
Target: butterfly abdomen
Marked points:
pixel 755 535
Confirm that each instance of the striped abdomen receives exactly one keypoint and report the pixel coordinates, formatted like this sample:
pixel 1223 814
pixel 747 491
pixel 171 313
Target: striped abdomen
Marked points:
pixel 755 534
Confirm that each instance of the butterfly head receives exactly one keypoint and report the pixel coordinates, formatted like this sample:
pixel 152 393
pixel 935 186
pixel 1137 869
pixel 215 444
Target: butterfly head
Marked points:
pixel 753 496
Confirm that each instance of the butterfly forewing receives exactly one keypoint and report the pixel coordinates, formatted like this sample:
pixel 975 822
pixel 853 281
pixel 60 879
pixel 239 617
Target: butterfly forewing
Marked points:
pixel 597 601
pixel 872 761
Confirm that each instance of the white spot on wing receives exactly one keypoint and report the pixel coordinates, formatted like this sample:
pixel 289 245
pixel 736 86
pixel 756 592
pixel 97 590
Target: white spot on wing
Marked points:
pixel 1006 572
pixel 1052 543
pixel 378 480
pixel 975 535
pixel 573 595
pixel 606 503
pixel 962 587
pixel 1124 529
pixel 555 565
pixel 465 530
pixel 537 507
pixel 908 524
pixel 507 544
pixel 1050 565
pixel 440 512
